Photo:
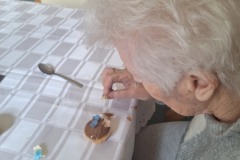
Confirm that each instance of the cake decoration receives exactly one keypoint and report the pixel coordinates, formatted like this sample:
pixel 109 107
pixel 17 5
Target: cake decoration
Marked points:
pixel 95 120
pixel 38 153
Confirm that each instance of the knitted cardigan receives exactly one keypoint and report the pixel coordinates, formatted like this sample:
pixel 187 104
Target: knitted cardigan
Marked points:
pixel 218 141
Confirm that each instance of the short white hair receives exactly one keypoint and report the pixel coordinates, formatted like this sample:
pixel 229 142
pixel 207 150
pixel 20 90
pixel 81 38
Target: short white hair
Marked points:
pixel 174 37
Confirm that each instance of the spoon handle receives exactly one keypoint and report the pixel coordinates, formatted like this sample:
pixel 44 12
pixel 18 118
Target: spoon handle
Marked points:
pixel 70 80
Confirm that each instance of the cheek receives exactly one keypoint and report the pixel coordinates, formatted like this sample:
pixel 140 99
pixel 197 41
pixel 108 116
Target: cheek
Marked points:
pixel 153 91
pixel 176 103
pixel 168 100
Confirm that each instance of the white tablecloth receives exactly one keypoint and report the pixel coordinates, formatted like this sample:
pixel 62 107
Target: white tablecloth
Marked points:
pixel 46 110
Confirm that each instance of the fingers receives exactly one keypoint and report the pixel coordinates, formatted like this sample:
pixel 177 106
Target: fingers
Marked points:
pixel 111 76
pixel 131 89
pixel 107 81
pixel 119 94
pixel 136 93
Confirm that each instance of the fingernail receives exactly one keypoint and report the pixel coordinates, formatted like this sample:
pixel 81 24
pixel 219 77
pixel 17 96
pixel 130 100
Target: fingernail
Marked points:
pixel 104 97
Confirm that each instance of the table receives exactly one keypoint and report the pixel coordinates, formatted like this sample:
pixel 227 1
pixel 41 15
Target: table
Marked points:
pixel 38 109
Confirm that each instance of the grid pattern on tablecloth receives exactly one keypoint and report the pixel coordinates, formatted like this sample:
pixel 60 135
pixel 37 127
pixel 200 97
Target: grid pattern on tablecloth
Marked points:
pixel 49 110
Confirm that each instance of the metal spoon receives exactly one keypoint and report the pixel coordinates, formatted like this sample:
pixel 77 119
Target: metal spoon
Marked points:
pixel 48 69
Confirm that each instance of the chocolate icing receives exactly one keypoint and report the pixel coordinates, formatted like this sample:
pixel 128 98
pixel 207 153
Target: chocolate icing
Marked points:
pixel 97 132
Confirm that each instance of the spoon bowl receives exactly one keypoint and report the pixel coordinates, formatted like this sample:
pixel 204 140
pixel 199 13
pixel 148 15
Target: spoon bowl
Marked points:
pixel 46 68
pixel 49 70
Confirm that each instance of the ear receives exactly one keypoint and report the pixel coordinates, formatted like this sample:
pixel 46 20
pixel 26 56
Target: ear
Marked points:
pixel 201 84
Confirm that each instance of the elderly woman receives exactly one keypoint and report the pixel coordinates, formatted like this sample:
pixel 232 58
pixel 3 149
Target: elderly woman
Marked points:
pixel 186 54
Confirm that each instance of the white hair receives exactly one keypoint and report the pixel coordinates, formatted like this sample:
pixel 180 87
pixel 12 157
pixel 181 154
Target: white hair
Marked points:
pixel 173 37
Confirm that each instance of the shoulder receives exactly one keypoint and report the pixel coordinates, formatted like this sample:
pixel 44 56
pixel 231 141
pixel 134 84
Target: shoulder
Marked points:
pixel 218 141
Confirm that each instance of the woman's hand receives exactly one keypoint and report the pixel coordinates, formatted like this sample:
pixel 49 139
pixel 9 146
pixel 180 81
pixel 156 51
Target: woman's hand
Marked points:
pixel 132 89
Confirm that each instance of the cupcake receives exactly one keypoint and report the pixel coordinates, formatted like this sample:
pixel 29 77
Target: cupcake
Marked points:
pixel 98 128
